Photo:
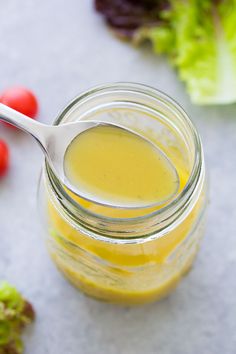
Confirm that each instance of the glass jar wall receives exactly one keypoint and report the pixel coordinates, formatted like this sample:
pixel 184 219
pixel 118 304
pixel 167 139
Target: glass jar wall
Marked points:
pixel 137 255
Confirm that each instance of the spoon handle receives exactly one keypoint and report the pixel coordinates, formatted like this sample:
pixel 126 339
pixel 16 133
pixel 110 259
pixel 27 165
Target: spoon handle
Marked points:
pixel 35 129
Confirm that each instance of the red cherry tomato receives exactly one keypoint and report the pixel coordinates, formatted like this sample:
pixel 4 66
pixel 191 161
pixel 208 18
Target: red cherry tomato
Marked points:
pixel 4 158
pixel 20 99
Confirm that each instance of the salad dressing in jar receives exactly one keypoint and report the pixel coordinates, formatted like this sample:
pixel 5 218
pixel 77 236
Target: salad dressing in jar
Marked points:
pixel 136 255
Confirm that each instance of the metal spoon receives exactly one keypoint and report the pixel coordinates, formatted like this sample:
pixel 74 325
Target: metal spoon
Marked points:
pixel 54 141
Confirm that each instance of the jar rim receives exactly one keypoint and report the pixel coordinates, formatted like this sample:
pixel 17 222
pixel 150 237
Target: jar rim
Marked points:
pixel 158 95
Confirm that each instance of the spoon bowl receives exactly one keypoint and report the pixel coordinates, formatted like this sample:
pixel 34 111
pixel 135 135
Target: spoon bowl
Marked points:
pixel 55 140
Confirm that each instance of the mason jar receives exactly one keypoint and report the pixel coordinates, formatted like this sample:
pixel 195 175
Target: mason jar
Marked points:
pixel 128 256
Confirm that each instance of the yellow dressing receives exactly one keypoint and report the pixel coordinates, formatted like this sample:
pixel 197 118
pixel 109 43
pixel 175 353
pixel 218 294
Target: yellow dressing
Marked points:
pixel 118 166
pixel 124 273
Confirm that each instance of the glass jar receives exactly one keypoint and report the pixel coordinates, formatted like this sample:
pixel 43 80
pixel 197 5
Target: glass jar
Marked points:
pixel 129 256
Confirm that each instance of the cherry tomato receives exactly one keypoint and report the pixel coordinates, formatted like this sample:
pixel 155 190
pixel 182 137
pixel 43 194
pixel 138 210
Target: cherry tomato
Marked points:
pixel 20 99
pixel 4 158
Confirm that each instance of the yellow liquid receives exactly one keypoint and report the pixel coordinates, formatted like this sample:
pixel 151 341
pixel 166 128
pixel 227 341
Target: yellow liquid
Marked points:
pixel 122 273
pixel 118 166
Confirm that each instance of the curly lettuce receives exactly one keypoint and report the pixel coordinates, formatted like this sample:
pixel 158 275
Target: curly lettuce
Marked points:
pixel 15 314
pixel 198 37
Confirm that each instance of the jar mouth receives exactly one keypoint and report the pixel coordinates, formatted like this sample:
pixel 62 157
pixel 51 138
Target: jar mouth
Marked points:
pixel 185 194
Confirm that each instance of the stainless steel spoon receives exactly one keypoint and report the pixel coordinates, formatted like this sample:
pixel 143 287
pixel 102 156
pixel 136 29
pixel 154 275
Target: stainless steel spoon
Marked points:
pixel 55 140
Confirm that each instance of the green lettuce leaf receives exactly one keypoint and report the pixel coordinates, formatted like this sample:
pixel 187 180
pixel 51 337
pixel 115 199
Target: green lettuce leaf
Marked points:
pixel 15 314
pixel 199 38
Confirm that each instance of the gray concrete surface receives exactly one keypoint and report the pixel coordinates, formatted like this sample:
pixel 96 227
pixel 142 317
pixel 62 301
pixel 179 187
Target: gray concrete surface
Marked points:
pixel 59 48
